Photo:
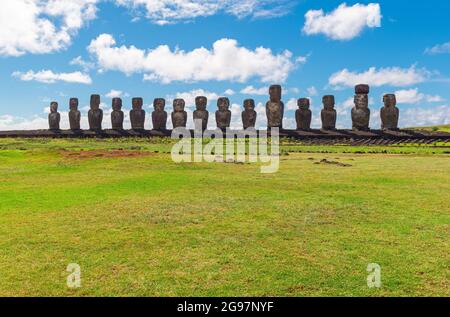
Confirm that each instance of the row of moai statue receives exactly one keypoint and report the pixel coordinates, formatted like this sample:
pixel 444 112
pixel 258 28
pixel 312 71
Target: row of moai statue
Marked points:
pixel 274 111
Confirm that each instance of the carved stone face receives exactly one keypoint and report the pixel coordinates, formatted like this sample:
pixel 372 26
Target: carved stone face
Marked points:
pixel 361 101
pixel 328 102
pixel 303 103
pixel 137 103
pixel 53 107
pixel 159 104
pixel 249 104
pixel 200 103
pixel 73 104
pixel 95 102
pixel 275 93
pixel 178 105
pixel 223 104
pixel 389 100
pixel 117 104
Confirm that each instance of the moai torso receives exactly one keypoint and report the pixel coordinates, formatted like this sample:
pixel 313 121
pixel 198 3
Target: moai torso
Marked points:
pixel 249 114
pixel 137 114
pixel 389 113
pixel 223 115
pixel 275 108
pixel 54 117
pixel 95 114
pixel 159 116
pixel 328 114
pixel 361 112
pixel 201 113
pixel 117 114
pixel 303 115
pixel 74 114
pixel 179 116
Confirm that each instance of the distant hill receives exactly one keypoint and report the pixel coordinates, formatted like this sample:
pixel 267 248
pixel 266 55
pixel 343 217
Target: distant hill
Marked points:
pixel 437 128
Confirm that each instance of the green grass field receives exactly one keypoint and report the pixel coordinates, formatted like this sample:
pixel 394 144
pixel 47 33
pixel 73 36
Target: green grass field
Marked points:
pixel 139 224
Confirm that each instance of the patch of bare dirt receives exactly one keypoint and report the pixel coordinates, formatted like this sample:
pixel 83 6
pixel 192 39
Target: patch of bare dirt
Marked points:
pixel 90 154
pixel 325 161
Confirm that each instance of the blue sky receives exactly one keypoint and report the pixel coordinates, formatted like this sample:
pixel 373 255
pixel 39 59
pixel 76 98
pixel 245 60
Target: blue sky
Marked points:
pixel 57 49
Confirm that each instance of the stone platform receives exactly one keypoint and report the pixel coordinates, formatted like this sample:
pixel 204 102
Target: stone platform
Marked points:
pixel 311 136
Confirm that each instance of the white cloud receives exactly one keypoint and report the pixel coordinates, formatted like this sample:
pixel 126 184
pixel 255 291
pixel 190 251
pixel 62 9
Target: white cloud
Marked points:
pixel 344 23
pixel 78 61
pixel 430 116
pixel 292 104
pixel 164 12
pixel 225 61
pixel 39 27
pixel 116 94
pixel 49 77
pixel 394 76
pixel 250 90
pixel 229 92
pixel 312 91
pixel 439 49
pixel 413 96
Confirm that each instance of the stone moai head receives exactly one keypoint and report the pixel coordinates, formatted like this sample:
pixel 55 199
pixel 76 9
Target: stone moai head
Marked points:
pixel 328 102
pixel 178 105
pixel 275 93
pixel 95 102
pixel 137 103
pixel 159 104
pixel 223 104
pixel 389 100
pixel 53 107
pixel 201 102
pixel 249 104
pixel 117 104
pixel 303 103
pixel 73 104
pixel 361 101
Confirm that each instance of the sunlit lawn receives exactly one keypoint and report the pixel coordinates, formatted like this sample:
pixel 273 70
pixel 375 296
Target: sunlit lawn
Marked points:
pixel 139 224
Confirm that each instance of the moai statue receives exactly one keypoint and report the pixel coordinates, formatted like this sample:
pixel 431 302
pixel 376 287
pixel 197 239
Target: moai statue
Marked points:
pixel 54 117
pixel 201 113
pixel 361 111
pixel 249 114
pixel 95 114
pixel 223 115
pixel 389 113
pixel 159 116
pixel 303 115
pixel 137 114
pixel 328 114
pixel 74 114
pixel 179 116
pixel 275 108
pixel 117 114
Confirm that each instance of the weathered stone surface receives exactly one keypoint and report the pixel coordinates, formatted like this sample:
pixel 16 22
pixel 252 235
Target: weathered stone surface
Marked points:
pixel 328 114
pixel 179 116
pixel 361 111
pixel 303 115
pixel 201 113
pixel 362 89
pixel 74 114
pixel 95 114
pixel 159 115
pixel 54 117
pixel 389 113
pixel 117 114
pixel 137 114
pixel 275 108
pixel 249 114
pixel 223 115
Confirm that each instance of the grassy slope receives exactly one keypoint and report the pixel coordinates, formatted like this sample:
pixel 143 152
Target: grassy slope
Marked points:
pixel 440 128
pixel 147 226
